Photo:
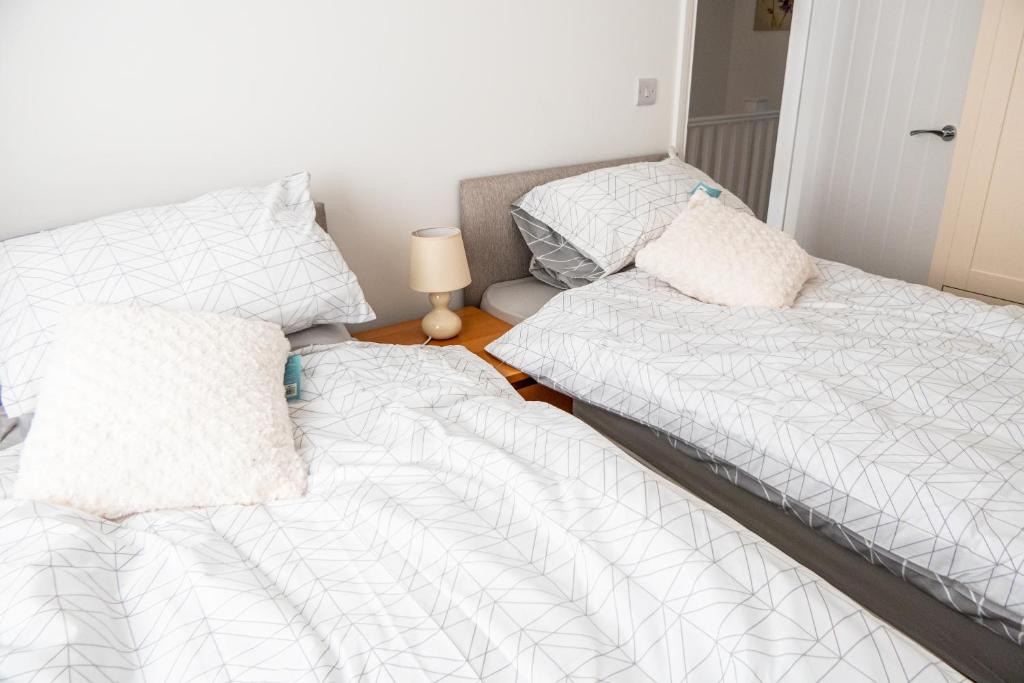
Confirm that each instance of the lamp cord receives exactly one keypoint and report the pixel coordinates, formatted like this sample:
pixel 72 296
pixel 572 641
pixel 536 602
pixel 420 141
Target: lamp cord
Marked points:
pixel 426 341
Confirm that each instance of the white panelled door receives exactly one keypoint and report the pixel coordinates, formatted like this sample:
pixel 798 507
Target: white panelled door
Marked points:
pixel 860 189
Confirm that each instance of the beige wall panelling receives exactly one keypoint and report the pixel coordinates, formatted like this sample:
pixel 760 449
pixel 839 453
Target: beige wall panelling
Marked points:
pixel 980 297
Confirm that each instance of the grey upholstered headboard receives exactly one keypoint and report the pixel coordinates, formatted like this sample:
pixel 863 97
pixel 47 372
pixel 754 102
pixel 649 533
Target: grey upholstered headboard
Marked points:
pixel 494 247
pixel 321 215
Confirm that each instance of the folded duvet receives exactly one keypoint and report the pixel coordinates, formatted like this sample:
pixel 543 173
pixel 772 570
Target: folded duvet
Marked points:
pixel 889 413
pixel 450 531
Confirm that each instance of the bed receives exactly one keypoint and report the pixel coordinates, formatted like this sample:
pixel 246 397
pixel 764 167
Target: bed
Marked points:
pixel 584 343
pixel 449 530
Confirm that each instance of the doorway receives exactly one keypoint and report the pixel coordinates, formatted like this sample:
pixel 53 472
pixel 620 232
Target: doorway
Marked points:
pixel 738 70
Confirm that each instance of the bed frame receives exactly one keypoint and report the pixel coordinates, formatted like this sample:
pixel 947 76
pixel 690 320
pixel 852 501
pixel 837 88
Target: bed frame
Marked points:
pixel 497 253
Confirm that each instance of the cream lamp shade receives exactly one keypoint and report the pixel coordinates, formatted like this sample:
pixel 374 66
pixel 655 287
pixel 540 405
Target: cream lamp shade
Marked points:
pixel 438 266
pixel 437 261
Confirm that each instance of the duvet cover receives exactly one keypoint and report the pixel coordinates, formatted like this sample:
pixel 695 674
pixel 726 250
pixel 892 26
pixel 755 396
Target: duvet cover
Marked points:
pixel 450 531
pixel 888 414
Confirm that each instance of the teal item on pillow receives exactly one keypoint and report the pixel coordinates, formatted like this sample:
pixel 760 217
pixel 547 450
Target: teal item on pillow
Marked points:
pixel 709 190
pixel 292 377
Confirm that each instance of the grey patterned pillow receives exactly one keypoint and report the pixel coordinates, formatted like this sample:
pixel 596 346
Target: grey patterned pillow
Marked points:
pixel 555 261
pixel 583 228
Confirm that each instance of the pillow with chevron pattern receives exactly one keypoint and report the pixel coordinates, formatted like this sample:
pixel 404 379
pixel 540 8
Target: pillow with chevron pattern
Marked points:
pixel 254 252
pixel 585 227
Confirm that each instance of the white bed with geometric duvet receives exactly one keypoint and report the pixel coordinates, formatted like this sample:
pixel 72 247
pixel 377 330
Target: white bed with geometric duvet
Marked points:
pixel 889 413
pixel 450 531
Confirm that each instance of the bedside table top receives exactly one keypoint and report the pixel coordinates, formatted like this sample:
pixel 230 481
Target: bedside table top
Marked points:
pixel 478 330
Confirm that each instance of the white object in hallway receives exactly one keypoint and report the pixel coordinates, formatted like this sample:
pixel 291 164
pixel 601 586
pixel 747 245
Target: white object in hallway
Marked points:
pixel 738 151
pixel 753 105
pixel 851 184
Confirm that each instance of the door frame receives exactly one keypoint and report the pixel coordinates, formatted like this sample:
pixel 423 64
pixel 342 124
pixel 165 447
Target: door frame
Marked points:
pixel 788 168
pixel 687 33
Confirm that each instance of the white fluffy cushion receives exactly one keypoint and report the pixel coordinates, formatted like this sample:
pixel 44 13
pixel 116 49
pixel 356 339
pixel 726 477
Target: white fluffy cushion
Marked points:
pixel 255 252
pixel 146 408
pixel 721 256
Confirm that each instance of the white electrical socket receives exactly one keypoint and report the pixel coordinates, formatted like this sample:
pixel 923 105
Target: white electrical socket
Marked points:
pixel 646 91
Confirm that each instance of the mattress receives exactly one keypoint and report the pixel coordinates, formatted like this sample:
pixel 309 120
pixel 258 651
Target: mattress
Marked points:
pixel 13 429
pixel 450 531
pixel 961 642
pixel 516 300
pixel 325 333
pixel 890 412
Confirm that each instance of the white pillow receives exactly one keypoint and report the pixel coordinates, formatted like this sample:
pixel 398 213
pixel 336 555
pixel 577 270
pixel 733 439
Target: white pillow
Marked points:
pixel 720 256
pixel 252 252
pixel 147 408
pixel 585 227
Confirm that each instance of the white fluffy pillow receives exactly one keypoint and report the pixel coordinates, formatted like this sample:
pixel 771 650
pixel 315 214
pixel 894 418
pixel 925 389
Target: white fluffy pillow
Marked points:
pixel 721 256
pixel 146 408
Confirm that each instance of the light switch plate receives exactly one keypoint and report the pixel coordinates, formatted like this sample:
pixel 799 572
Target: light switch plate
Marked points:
pixel 646 91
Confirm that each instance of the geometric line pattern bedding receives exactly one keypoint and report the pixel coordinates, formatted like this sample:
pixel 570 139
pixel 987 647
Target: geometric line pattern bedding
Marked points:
pixel 888 412
pixel 591 225
pixel 554 260
pixel 253 252
pixel 450 531
pixel 924 579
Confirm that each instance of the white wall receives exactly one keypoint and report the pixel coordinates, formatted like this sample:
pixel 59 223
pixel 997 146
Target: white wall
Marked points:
pixel 110 104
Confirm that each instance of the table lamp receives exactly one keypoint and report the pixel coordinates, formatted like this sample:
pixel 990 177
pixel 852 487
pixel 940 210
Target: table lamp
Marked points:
pixel 437 266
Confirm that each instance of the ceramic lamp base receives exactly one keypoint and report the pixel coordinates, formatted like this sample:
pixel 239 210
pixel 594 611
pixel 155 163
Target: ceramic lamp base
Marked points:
pixel 442 322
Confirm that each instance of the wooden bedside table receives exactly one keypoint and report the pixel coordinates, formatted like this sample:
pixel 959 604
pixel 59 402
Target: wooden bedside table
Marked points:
pixel 478 330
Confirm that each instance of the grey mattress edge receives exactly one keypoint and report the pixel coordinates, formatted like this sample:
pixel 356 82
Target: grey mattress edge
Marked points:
pixel 516 300
pixel 963 643
pixel 324 333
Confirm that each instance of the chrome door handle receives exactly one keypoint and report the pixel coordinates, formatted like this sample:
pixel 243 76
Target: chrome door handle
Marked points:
pixel 947 133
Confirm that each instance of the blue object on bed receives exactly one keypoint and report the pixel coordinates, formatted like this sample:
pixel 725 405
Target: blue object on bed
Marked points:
pixel 292 377
pixel 709 190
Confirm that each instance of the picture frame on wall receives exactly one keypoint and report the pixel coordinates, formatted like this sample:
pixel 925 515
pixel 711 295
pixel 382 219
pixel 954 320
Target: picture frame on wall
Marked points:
pixel 773 15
